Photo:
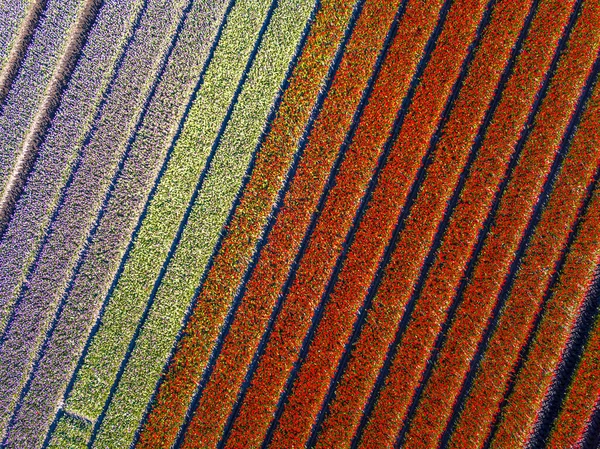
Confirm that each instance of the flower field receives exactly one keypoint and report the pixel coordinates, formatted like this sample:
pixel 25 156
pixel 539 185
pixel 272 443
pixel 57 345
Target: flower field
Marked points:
pixel 299 223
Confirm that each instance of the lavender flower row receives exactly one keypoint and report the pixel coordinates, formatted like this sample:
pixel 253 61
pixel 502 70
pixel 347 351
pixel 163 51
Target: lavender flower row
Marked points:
pixel 65 135
pixel 100 262
pixel 82 200
pixel 18 19
pixel 28 89
pixel 170 203
pixel 49 105
pixel 12 14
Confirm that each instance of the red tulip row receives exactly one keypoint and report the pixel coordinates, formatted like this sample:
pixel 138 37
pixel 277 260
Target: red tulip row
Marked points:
pixel 390 196
pixel 550 237
pixel 457 245
pixel 567 297
pixel 256 411
pixel 450 155
pixel 220 287
pixel 481 294
pixel 375 125
pixel 583 397
pixel 290 226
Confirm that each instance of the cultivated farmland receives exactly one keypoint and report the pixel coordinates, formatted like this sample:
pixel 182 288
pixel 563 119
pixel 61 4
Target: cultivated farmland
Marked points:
pixel 299 223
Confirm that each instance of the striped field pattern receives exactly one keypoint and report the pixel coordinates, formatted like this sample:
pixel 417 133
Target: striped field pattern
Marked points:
pixel 300 224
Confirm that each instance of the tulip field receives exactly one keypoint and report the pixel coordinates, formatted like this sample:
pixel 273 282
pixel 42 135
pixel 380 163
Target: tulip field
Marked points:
pixel 300 224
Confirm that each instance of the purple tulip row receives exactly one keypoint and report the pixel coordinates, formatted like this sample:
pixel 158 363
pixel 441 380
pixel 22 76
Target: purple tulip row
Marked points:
pixel 94 172
pixel 18 21
pixel 27 91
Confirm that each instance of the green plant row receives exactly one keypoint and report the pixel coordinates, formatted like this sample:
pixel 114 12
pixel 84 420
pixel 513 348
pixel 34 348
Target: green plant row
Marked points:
pixel 208 215
pixel 166 209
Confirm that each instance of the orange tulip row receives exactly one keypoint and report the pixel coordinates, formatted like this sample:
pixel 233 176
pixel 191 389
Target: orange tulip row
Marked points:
pixel 374 231
pixel 325 243
pixel 550 237
pixel 230 263
pixel 458 243
pixel 583 397
pixel 567 297
pixel 449 159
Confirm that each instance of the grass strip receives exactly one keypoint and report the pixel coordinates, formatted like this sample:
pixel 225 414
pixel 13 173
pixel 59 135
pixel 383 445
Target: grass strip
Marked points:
pixel 166 208
pixel 417 126
pixel 268 175
pixel 566 297
pixel 153 136
pixel 466 221
pixel 28 90
pixel 22 102
pixel 449 157
pixel 350 83
pixel 522 295
pixel 210 210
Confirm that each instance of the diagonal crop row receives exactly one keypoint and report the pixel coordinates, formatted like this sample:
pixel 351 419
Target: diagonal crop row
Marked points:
pixel 395 87
pixel 567 297
pixel 40 294
pixel 153 135
pixel 13 17
pixel 268 175
pixel 269 305
pixel 348 91
pixel 168 204
pixel 544 249
pixel 46 109
pixel 438 73
pixel 570 354
pixel 58 149
pixel 83 196
pixel 155 336
pixel 18 110
pixel 582 400
pixel 94 171
pixel 460 238
pixel 450 154
pixel 18 20
pixel 518 202
pixel 73 118
pixel 530 183
pixel 34 89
